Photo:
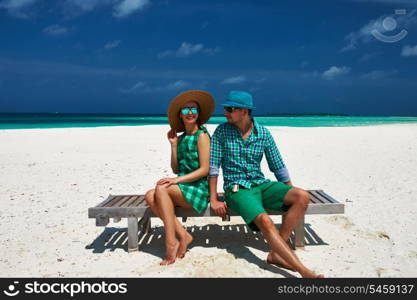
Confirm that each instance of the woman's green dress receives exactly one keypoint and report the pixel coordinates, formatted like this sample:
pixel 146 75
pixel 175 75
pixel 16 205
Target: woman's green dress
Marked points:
pixel 196 193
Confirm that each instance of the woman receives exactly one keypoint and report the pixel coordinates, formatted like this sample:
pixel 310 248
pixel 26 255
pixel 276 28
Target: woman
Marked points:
pixel 190 155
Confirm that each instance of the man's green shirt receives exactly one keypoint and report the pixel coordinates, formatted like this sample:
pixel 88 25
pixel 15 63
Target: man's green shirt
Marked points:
pixel 241 159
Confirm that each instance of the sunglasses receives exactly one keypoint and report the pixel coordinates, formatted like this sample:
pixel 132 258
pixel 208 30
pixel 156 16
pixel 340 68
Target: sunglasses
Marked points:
pixel 230 109
pixel 186 110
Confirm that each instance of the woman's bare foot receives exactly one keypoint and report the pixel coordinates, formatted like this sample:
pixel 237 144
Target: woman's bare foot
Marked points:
pixel 310 274
pixel 185 240
pixel 274 259
pixel 171 254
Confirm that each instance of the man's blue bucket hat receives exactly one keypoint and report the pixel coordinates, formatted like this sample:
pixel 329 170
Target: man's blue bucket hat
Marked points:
pixel 239 99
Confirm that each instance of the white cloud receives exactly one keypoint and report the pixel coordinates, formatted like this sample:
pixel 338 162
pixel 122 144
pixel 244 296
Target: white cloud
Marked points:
pixel 177 85
pixel 17 8
pixel 165 53
pixel 409 51
pixel 187 49
pixel 364 34
pixel 143 87
pixel 16 4
pixel 121 8
pixel 234 80
pixel 88 5
pixel 112 44
pixel 55 30
pixel 127 7
pixel 212 51
pixel 377 75
pixel 137 87
pixel 335 72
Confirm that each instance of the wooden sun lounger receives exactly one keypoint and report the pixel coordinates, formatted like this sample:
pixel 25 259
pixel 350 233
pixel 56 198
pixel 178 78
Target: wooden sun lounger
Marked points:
pixel 134 207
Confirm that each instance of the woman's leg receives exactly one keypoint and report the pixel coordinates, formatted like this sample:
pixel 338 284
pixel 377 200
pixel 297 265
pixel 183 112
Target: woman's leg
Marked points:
pixel 166 199
pixel 150 199
pixel 182 234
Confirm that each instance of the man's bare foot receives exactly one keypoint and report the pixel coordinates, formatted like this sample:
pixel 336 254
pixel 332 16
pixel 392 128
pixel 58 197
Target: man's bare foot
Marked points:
pixel 274 259
pixel 310 274
pixel 184 242
pixel 171 254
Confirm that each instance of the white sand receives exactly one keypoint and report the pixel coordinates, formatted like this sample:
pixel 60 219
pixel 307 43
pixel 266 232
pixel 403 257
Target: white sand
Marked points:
pixel 50 177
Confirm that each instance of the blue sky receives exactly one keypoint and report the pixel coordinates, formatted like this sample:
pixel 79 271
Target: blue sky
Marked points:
pixel 134 56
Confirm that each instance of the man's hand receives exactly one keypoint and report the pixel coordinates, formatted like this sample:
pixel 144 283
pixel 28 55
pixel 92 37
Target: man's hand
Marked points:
pixel 219 207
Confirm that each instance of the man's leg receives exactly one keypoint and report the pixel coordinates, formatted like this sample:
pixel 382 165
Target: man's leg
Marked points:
pixel 279 246
pixel 297 199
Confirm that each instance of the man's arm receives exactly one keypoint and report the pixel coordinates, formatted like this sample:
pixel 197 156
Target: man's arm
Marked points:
pixel 275 161
pixel 218 206
pixel 215 160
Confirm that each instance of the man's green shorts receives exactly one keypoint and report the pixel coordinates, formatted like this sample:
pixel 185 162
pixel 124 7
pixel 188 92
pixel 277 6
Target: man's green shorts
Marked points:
pixel 249 203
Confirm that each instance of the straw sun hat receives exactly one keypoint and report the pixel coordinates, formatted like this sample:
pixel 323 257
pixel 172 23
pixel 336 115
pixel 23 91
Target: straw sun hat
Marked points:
pixel 205 102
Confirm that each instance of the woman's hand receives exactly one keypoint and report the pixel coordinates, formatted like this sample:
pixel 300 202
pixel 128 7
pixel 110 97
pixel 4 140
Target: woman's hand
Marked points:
pixel 167 181
pixel 172 137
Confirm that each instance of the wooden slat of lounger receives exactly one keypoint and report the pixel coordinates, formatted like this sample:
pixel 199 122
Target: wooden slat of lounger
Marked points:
pixel 115 199
pixel 109 198
pixel 328 197
pixel 320 197
pixel 137 207
pixel 138 201
pixel 141 211
pixel 130 201
pixel 124 200
pixel 313 198
pixel 120 200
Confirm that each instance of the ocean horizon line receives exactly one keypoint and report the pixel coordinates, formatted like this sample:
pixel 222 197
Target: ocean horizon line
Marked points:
pixel 68 120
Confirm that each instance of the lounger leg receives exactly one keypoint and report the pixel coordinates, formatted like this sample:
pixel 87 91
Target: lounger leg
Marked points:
pixel 299 234
pixel 132 234
pixel 146 225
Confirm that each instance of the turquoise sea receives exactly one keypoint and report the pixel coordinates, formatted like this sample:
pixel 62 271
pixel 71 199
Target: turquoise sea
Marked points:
pixel 25 121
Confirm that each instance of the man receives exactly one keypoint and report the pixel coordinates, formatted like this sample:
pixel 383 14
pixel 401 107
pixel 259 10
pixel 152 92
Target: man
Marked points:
pixel 238 146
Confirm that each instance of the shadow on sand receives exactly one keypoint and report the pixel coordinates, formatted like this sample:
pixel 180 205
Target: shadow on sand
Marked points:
pixel 235 239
